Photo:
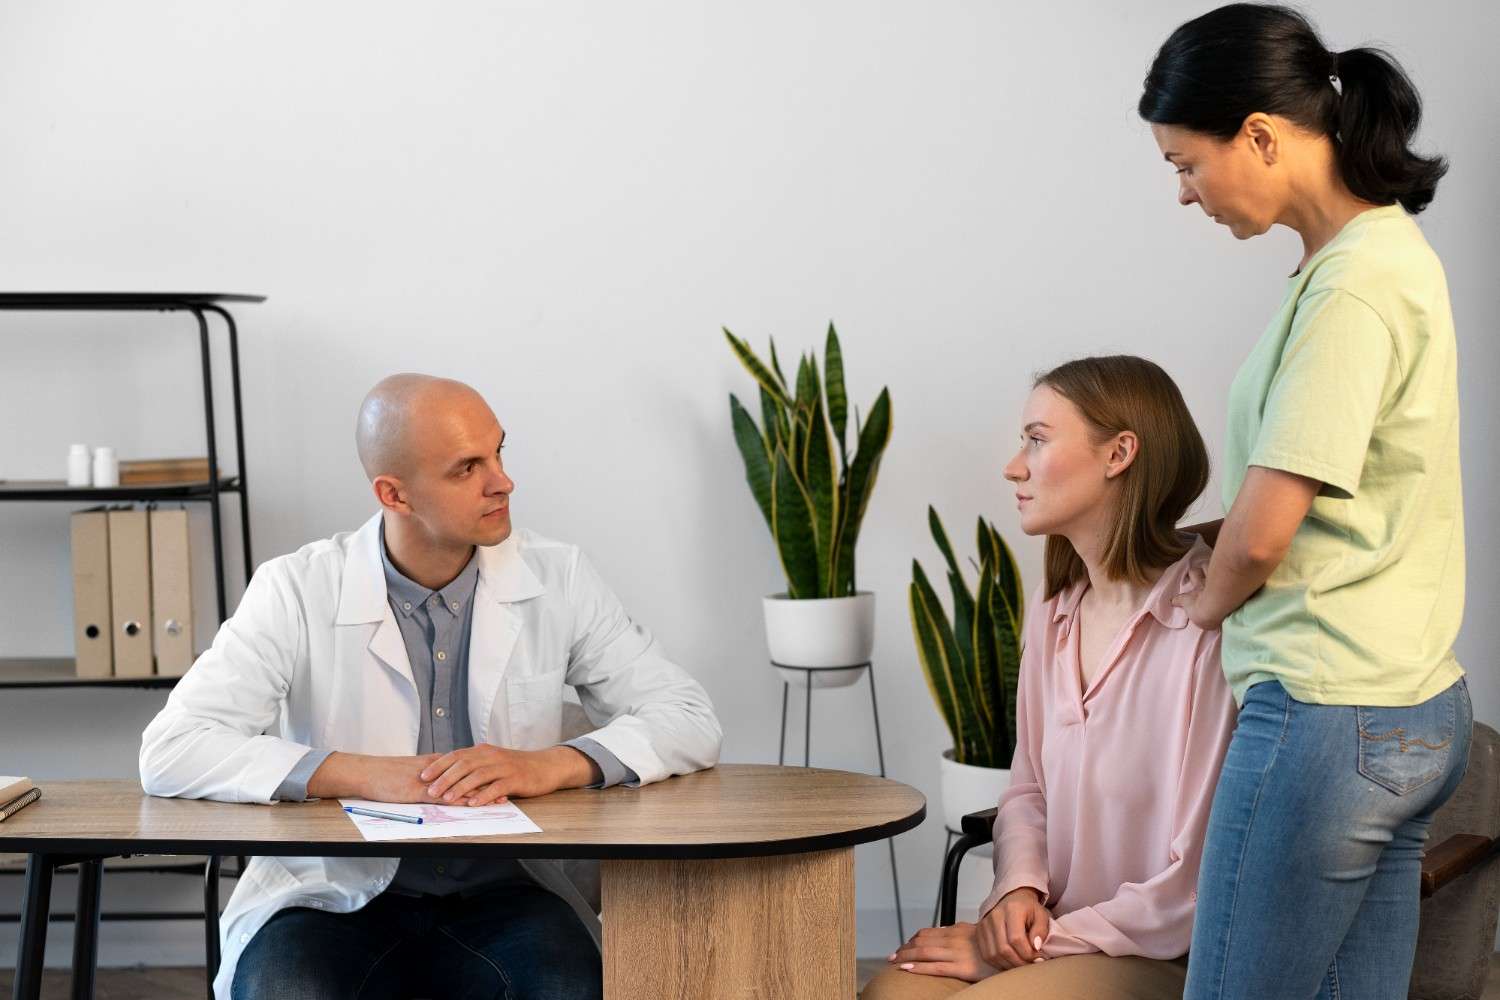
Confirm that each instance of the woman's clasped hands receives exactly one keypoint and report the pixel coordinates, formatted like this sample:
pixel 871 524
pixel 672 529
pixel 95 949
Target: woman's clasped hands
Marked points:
pixel 1009 935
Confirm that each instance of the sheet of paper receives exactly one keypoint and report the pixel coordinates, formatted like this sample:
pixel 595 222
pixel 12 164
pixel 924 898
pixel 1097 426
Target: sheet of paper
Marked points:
pixel 439 821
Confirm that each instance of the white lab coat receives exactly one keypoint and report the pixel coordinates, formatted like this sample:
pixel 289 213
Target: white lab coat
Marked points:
pixel 313 658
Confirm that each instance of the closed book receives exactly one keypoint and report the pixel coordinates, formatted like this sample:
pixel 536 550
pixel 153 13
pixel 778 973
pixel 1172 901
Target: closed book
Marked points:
pixel 11 786
pixel 15 805
pixel 93 649
pixel 130 591
pixel 144 472
pixel 171 593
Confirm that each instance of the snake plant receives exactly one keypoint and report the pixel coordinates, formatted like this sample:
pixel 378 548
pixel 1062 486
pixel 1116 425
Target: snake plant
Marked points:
pixel 972 664
pixel 812 498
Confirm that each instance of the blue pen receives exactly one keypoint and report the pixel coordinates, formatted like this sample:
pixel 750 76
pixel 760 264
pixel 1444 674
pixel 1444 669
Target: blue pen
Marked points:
pixel 362 811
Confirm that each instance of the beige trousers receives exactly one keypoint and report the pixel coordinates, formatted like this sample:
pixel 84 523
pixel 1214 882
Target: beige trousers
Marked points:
pixel 1076 977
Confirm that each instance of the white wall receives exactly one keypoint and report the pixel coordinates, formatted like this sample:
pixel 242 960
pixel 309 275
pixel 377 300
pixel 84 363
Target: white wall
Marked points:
pixel 562 203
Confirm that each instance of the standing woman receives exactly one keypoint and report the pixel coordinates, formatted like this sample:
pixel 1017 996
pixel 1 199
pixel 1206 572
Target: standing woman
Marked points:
pixel 1338 574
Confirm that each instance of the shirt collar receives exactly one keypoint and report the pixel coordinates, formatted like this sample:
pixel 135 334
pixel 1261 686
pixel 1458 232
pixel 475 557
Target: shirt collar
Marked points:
pixel 407 595
pixel 1067 601
pixel 1175 581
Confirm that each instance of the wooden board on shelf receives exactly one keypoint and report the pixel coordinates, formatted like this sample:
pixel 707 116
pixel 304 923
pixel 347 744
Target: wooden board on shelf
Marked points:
pixel 56 489
pixel 48 671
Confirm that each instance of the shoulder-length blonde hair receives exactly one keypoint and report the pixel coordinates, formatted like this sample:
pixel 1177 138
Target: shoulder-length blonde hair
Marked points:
pixel 1125 393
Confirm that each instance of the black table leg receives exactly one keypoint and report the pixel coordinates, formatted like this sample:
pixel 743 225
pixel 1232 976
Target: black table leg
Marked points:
pixel 36 905
pixel 211 918
pixel 86 927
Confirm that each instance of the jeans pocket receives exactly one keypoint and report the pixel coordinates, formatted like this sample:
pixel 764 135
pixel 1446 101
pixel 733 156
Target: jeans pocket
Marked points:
pixel 1404 748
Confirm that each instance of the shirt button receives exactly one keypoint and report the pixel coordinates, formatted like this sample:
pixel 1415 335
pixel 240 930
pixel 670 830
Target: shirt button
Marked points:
pixel 455 605
pixel 441 870
pixel 433 600
pixel 441 713
pixel 441 656
pixel 406 605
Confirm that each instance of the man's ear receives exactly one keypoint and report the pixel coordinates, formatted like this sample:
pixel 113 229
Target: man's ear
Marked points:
pixel 1122 452
pixel 391 494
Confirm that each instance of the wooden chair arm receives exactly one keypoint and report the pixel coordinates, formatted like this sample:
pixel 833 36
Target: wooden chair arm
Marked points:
pixel 1459 854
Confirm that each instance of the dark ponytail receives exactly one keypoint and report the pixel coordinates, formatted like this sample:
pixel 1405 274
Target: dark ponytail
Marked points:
pixel 1216 70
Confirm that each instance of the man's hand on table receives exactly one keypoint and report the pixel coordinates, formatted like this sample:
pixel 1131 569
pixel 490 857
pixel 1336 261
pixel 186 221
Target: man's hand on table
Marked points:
pixel 474 776
pixel 367 776
pixel 483 775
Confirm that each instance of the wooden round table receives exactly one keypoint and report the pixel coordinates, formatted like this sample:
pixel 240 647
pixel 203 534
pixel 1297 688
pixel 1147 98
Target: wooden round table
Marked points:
pixel 735 881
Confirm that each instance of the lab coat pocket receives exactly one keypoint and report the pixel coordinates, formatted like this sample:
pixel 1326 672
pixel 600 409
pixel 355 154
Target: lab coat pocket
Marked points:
pixel 535 706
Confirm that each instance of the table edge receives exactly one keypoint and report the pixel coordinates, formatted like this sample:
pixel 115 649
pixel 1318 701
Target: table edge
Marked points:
pixel 507 848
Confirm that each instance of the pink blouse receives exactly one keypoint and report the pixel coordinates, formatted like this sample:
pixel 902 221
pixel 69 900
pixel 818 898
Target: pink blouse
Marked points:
pixel 1110 788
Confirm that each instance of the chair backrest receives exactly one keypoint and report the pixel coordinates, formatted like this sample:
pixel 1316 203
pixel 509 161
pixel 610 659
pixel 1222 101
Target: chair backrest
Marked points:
pixel 1457 934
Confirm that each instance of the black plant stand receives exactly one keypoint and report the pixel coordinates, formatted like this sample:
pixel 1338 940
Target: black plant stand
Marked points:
pixel 786 688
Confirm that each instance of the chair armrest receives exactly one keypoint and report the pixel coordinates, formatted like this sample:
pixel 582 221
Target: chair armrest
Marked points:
pixel 978 830
pixel 1458 855
pixel 980 825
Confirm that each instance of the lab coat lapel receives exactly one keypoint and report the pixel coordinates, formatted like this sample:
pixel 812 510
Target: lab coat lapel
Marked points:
pixel 504 581
pixel 363 601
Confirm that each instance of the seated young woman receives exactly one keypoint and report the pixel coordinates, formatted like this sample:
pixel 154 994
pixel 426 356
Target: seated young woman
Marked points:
pixel 1122 715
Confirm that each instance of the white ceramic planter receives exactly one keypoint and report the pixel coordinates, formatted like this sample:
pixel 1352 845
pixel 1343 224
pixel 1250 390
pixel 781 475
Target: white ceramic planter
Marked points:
pixel 966 789
pixel 820 634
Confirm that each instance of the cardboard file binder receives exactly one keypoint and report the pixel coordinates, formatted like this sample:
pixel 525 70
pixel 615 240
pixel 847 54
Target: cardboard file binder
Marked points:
pixel 130 591
pixel 171 592
pixel 94 652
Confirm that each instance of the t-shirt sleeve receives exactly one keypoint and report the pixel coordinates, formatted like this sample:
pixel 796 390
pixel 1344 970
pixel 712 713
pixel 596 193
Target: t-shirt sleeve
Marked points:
pixel 1327 392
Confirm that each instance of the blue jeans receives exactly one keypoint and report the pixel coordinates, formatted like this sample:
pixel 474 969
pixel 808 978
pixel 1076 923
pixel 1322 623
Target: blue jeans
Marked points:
pixel 515 941
pixel 1312 866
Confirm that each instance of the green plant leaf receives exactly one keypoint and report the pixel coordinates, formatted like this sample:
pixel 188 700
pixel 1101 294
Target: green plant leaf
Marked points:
pixel 930 654
pixel 935 649
pixel 940 536
pixel 756 456
pixel 1008 661
pixel 791 521
pixel 963 621
pixel 982 637
pixel 821 479
pixel 773 420
pixel 758 371
pixel 776 364
pixel 807 385
pixel 797 440
pixel 985 539
pixel 838 399
pixel 1009 577
pixel 963 601
pixel 860 483
pixel 973 738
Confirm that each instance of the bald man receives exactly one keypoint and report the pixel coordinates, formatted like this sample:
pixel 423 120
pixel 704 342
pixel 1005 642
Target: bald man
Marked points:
pixel 423 658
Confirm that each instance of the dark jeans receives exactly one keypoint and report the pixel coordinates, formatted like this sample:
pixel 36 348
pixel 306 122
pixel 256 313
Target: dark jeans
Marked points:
pixel 516 941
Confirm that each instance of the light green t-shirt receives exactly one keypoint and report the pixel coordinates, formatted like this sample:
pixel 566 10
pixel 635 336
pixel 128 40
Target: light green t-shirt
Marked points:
pixel 1355 384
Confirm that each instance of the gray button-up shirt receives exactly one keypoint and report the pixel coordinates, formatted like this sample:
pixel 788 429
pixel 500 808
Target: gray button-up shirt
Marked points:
pixel 435 628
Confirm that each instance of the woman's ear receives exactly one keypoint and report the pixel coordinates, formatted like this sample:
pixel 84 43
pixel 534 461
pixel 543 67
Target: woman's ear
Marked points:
pixel 1261 132
pixel 1122 452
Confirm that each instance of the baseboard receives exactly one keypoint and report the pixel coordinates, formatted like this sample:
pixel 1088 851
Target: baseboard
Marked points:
pixel 172 943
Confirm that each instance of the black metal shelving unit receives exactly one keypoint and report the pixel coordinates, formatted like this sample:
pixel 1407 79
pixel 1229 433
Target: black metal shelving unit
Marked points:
pixel 34 673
